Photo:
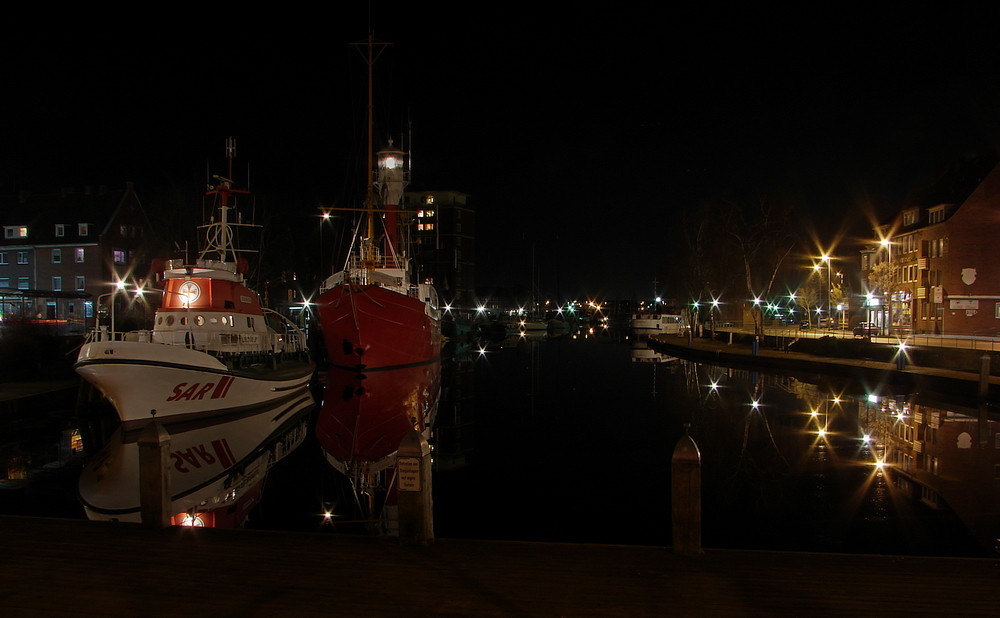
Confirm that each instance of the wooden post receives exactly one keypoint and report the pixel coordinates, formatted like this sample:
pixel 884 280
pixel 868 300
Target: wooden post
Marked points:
pixel 685 484
pixel 984 376
pixel 154 475
pixel 413 475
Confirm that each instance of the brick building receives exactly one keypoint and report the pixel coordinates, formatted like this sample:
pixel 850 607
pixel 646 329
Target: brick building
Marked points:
pixel 60 252
pixel 944 272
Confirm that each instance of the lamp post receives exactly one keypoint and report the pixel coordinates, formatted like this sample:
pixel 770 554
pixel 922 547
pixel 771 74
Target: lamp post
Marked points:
pixel 826 260
pixel 324 219
pixel 887 293
pixel 118 285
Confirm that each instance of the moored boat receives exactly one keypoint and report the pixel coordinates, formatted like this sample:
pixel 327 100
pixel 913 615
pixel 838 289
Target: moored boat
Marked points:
pixel 214 354
pixel 656 322
pixel 382 335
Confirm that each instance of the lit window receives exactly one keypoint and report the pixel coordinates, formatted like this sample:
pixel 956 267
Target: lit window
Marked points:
pixel 57 256
pixel 429 199
pixel 118 256
pixel 60 230
pixel 57 284
pixel 79 255
pixel 82 229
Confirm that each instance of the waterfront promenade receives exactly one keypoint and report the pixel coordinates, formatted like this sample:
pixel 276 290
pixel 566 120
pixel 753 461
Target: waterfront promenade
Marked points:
pixel 53 567
pixel 961 386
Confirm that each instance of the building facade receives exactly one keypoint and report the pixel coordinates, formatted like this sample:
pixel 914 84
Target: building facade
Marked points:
pixel 60 253
pixel 940 273
pixel 444 232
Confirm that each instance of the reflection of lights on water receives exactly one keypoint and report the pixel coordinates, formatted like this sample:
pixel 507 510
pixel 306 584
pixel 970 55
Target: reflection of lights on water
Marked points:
pixel 193 521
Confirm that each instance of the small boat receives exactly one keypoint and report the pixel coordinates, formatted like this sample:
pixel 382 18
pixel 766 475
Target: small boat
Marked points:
pixel 382 336
pixel 656 322
pixel 214 355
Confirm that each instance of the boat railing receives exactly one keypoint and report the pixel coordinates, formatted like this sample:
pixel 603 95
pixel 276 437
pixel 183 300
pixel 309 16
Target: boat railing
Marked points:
pixel 287 338
pixel 290 336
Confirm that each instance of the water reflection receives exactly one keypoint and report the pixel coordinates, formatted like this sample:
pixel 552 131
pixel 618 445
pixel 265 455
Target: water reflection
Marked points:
pixel 573 439
pixel 569 439
pixel 830 467
pixel 217 467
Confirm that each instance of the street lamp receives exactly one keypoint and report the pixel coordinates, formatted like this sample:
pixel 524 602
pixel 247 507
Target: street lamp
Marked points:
pixel 829 284
pixel 887 245
pixel 118 285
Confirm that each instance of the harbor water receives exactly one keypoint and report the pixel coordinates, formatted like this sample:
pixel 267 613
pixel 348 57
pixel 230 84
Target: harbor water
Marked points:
pixel 570 438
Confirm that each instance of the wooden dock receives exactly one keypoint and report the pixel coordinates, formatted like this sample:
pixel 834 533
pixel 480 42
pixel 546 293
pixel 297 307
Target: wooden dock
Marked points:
pixel 57 567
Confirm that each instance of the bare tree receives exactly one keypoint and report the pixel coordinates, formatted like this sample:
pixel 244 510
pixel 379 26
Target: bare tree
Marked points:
pixel 881 277
pixel 764 238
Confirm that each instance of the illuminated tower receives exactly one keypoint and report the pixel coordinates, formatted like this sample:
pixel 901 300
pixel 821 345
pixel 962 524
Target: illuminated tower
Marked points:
pixel 392 178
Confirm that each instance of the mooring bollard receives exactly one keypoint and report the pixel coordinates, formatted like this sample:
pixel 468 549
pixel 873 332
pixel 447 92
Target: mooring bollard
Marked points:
pixel 413 475
pixel 685 491
pixel 154 475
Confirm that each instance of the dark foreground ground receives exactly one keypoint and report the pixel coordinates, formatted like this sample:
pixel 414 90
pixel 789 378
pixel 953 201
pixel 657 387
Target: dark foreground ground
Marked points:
pixel 73 567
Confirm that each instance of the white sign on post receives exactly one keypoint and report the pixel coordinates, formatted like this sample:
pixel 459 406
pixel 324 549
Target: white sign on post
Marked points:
pixel 409 473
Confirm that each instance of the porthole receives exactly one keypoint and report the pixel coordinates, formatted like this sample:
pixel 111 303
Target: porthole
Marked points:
pixel 184 320
pixel 199 320
pixel 225 320
pixel 214 320
pixel 170 320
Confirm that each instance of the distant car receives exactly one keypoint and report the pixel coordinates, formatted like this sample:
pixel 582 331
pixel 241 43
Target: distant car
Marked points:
pixel 827 323
pixel 804 324
pixel 865 329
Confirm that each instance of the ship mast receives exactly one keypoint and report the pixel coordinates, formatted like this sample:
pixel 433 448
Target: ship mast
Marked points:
pixel 219 234
pixel 368 259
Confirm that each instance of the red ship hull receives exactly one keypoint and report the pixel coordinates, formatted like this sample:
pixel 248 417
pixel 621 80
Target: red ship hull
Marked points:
pixel 384 355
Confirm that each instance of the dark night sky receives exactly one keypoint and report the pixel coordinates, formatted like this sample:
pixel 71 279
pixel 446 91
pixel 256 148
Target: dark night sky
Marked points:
pixel 583 133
